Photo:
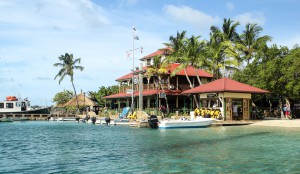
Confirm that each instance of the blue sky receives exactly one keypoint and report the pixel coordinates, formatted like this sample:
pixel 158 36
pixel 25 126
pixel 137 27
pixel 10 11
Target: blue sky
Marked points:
pixel 33 34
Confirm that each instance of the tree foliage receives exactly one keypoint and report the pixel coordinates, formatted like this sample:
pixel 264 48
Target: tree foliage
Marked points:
pixel 63 97
pixel 102 92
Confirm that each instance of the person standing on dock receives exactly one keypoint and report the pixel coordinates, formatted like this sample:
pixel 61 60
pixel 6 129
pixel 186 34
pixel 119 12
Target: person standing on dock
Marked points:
pixel 235 110
pixel 162 110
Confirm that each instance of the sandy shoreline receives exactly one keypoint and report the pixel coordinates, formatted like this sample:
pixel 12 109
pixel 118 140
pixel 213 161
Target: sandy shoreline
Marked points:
pixel 278 123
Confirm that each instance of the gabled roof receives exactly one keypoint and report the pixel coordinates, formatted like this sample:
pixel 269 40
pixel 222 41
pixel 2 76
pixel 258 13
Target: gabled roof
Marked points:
pixel 162 51
pixel 82 100
pixel 190 72
pixel 225 85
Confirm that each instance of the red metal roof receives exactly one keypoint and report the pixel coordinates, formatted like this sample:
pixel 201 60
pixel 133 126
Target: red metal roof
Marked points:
pixel 119 95
pixel 190 72
pixel 225 85
pixel 158 52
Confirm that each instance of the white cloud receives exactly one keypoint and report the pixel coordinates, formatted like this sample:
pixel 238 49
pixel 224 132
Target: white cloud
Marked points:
pixel 57 14
pixel 35 34
pixel 247 17
pixel 191 16
pixel 230 6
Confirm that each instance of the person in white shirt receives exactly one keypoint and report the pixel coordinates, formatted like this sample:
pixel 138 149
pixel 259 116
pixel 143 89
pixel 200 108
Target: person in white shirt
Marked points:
pixel 235 109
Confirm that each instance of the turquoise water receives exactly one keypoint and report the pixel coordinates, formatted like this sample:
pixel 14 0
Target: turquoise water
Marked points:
pixel 55 147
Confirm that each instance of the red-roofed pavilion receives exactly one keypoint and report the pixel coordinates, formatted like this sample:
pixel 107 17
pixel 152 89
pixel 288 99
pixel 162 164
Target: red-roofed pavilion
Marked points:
pixel 224 93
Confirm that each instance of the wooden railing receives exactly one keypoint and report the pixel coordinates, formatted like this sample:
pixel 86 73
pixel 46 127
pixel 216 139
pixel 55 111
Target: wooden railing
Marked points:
pixel 152 86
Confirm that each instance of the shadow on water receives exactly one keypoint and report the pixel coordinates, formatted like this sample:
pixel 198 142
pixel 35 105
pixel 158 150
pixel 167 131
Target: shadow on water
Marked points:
pixel 203 142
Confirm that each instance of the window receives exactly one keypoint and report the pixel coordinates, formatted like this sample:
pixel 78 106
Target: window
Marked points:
pixel 18 104
pixel 1 105
pixel 148 62
pixel 9 105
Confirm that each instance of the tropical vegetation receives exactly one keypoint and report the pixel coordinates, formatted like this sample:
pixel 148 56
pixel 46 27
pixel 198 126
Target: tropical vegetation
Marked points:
pixel 244 55
pixel 68 65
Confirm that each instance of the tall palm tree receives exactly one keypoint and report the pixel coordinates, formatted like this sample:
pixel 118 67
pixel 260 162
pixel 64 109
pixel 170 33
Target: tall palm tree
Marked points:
pixel 250 42
pixel 68 65
pixel 195 54
pixel 186 52
pixel 228 30
pixel 222 48
pixel 159 70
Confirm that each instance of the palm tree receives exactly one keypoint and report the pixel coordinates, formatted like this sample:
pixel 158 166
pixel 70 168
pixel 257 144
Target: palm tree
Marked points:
pixel 159 70
pixel 222 48
pixel 251 43
pixel 68 65
pixel 186 52
pixel 195 54
pixel 228 30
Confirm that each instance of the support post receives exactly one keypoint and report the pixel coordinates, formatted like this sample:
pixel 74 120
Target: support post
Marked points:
pixel 141 89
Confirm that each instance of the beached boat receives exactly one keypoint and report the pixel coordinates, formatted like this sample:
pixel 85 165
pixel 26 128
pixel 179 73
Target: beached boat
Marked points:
pixel 14 105
pixel 185 123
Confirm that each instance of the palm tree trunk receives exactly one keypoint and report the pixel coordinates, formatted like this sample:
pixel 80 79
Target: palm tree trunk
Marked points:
pixel 163 89
pixel 191 86
pixel 198 78
pixel 77 111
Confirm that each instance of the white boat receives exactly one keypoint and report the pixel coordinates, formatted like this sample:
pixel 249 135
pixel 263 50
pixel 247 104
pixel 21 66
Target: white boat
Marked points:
pixel 100 121
pixel 14 105
pixel 185 123
pixel 62 119
pixel 52 119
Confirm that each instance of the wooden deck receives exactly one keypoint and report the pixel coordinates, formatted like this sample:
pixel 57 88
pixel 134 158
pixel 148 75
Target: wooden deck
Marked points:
pixel 232 123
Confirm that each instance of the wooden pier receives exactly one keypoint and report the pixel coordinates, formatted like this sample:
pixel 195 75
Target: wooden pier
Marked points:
pixel 35 116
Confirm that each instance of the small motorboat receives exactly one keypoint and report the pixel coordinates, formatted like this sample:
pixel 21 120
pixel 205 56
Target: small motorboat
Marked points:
pixel 186 123
pixel 62 119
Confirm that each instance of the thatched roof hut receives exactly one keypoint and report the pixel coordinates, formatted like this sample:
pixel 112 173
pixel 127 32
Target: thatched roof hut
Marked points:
pixel 82 101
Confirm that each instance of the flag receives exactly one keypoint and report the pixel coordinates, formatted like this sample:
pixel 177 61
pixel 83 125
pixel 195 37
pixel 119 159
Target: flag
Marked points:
pixel 128 54
pixel 141 50
pixel 135 36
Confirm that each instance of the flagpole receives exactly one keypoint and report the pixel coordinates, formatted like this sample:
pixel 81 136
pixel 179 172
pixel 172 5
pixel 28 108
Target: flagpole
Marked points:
pixel 132 98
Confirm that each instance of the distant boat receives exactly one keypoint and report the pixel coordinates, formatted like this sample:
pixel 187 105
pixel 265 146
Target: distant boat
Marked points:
pixel 14 105
pixel 185 123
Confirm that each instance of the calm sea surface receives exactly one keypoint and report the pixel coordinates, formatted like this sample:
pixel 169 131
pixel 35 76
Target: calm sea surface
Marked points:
pixel 55 147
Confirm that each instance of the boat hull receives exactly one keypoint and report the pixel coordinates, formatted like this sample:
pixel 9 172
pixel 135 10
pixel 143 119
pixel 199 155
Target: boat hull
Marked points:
pixel 33 111
pixel 196 123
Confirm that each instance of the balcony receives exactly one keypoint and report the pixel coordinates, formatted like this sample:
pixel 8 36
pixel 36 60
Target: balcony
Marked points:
pixel 152 86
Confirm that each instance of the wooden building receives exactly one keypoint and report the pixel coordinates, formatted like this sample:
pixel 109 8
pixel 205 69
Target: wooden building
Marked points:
pixel 173 86
pixel 223 94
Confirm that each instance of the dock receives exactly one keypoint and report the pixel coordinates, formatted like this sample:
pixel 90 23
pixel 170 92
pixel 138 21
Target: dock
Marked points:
pixel 231 123
pixel 35 117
